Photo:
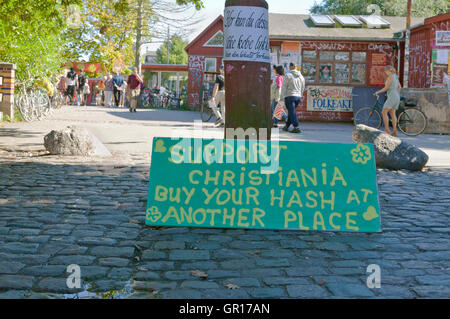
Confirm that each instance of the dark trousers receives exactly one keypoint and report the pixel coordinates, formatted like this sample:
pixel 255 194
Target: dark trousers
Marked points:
pixel 291 104
pixel 117 95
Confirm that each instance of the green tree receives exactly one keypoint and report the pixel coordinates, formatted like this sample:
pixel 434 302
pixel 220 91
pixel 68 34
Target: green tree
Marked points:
pixel 31 34
pixel 104 33
pixel 420 8
pixel 177 54
pixel 117 29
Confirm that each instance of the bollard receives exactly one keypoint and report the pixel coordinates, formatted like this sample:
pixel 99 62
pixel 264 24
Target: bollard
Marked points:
pixel 247 67
pixel 7 89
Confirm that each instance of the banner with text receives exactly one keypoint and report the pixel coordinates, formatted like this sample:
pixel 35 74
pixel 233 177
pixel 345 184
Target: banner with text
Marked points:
pixel 246 33
pixel 263 185
pixel 330 99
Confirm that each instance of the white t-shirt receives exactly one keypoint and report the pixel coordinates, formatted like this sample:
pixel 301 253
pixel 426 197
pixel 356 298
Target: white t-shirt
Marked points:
pixel 71 82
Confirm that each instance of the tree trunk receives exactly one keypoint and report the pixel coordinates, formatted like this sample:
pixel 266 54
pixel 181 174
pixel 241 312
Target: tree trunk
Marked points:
pixel 137 55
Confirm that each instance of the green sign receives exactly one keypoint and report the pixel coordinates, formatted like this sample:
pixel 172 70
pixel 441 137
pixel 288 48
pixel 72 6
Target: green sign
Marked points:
pixel 263 185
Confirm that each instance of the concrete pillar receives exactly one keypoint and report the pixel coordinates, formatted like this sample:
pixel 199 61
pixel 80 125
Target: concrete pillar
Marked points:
pixel 7 89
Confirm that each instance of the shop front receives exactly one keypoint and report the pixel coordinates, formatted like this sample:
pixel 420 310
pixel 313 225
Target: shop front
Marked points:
pixel 341 57
pixel 341 77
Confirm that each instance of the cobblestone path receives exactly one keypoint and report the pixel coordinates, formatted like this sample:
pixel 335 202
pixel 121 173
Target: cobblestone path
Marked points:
pixel 54 213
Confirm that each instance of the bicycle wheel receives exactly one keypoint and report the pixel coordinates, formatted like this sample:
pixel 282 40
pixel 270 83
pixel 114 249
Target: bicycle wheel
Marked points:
pixel 368 116
pixel 25 108
pixel 205 112
pixel 42 101
pixel 412 122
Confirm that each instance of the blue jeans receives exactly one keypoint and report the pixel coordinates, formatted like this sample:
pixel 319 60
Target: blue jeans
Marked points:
pixel 275 120
pixel 291 104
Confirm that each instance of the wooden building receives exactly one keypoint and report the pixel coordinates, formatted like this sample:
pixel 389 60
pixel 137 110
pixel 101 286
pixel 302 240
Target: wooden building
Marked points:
pixel 341 57
pixel 429 52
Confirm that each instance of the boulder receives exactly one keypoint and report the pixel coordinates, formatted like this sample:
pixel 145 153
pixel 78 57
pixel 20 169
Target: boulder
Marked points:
pixel 74 141
pixel 391 152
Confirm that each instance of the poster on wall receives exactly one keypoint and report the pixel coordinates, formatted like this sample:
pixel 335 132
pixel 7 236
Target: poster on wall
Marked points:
pixel 377 75
pixel 290 53
pixel 439 70
pixel 246 31
pixel 330 99
pixel 441 56
pixel 443 38
pixel 379 59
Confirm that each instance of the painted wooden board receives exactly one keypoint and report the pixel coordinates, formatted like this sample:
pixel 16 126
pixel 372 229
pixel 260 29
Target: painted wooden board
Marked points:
pixel 237 184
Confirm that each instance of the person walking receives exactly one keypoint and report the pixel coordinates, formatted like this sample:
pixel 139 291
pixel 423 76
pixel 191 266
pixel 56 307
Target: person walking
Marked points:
pixel 101 90
pixel 218 98
pixel 275 94
pixel 134 88
pixel 123 90
pixel 80 88
pixel 62 87
pixel 392 87
pixel 292 91
pixel 118 82
pixel 86 92
pixel 71 84
pixel 109 89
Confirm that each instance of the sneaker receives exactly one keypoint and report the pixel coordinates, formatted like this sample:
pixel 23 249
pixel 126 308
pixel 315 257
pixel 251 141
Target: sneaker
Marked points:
pixel 286 129
pixel 296 130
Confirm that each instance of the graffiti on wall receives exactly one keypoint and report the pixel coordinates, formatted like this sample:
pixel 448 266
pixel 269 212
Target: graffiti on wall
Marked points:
pixel 196 70
pixel 330 99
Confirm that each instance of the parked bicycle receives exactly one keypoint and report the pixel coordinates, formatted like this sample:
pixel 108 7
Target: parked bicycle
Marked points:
pixel 411 120
pixel 33 102
pixel 206 113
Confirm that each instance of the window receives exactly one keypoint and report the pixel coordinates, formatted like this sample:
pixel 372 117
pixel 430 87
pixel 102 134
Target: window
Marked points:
pixel 216 40
pixel 210 65
pixel 375 21
pixel 334 67
pixel 348 21
pixel 322 20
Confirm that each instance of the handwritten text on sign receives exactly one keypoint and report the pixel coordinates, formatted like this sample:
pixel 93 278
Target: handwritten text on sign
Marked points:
pixel 331 99
pixel 246 32
pixel 220 184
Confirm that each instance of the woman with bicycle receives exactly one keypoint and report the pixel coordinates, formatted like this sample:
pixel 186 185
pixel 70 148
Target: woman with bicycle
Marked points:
pixel 392 87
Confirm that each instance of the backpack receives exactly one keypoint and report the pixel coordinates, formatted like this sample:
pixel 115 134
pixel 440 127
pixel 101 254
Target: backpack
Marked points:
pixel 81 80
pixel 71 75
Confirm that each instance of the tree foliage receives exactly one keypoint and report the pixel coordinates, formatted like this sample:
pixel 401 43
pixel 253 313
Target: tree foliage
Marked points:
pixel 30 34
pixel 41 35
pixel 177 54
pixel 420 8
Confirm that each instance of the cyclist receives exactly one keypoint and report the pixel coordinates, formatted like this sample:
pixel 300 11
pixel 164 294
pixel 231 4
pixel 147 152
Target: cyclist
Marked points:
pixel 218 98
pixel 392 87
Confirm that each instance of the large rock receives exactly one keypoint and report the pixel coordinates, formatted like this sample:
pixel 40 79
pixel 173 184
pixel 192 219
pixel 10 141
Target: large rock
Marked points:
pixel 391 152
pixel 74 141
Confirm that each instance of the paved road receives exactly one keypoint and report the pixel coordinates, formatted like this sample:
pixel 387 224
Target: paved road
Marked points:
pixel 57 211
pixel 122 131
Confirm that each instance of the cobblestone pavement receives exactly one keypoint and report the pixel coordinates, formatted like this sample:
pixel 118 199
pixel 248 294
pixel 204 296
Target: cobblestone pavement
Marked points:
pixel 54 213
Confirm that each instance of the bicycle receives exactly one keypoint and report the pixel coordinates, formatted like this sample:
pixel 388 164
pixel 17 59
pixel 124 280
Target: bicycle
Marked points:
pixel 33 102
pixel 411 120
pixel 172 101
pixel 206 113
